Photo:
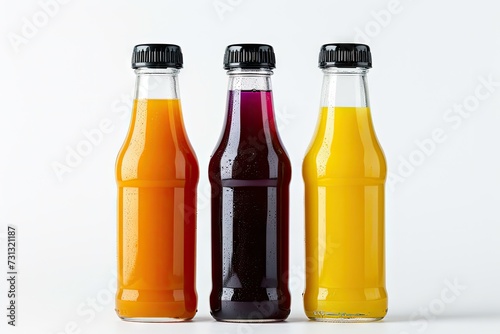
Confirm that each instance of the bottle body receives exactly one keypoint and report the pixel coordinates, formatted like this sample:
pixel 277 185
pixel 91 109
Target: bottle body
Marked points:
pixel 157 176
pixel 344 172
pixel 250 174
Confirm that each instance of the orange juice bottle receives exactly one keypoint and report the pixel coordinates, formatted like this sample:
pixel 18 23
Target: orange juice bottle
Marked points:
pixel 344 172
pixel 157 176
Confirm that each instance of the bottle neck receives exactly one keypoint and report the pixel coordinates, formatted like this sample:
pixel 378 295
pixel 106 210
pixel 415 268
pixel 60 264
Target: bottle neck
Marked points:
pixel 250 110
pixel 345 87
pixel 156 83
pixel 249 79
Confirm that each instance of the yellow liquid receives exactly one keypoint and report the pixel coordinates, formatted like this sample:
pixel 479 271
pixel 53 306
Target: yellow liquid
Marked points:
pixel 344 173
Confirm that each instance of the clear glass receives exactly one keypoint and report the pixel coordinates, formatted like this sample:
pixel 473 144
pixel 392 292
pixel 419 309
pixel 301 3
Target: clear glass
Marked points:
pixel 156 83
pixel 250 175
pixel 344 172
pixel 345 87
pixel 157 177
pixel 249 79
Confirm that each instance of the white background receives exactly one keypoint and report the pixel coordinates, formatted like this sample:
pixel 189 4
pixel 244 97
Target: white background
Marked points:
pixel 71 71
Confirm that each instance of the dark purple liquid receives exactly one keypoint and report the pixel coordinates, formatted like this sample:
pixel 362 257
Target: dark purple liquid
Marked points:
pixel 250 175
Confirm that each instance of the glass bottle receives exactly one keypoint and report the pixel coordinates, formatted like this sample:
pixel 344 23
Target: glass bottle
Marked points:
pixel 250 173
pixel 157 176
pixel 344 172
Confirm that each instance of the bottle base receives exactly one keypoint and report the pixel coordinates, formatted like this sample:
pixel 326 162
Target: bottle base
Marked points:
pixel 250 312
pixel 155 319
pixel 155 311
pixel 346 304
pixel 254 321
pixel 362 314
pixel 345 319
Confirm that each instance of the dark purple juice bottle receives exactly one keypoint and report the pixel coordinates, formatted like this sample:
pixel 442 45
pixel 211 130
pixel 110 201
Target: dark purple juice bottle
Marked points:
pixel 250 175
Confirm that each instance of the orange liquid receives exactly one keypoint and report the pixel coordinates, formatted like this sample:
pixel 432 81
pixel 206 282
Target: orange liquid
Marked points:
pixel 157 175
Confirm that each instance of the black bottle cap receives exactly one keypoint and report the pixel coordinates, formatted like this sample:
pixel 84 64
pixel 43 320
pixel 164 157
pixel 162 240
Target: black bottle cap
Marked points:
pixel 345 55
pixel 249 56
pixel 157 56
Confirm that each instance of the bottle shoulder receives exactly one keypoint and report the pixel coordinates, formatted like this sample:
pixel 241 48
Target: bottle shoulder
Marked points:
pixel 325 161
pixel 330 165
pixel 247 164
pixel 154 164
pixel 344 146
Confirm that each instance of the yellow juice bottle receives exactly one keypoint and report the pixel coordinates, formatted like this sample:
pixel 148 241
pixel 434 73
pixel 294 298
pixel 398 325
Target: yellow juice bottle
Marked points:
pixel 344 173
